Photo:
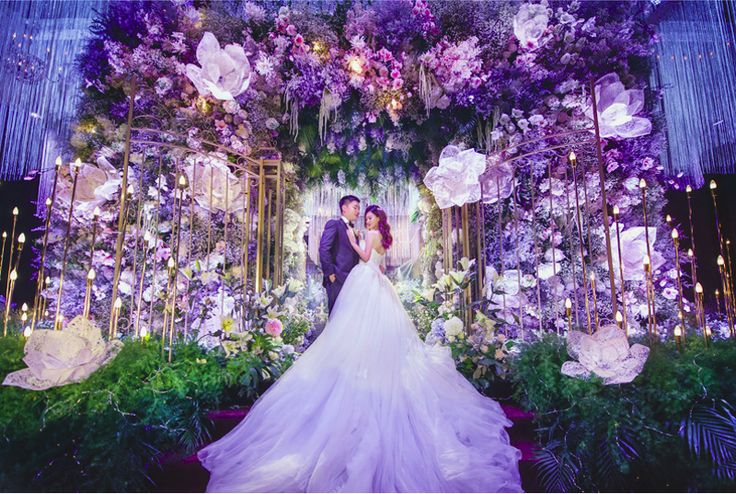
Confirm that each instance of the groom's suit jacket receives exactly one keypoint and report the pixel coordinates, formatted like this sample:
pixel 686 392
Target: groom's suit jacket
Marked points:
pixel 336 254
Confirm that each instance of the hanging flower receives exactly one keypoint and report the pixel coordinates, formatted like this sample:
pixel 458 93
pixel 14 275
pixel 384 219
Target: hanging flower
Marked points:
pixel 530 23
pixel 617 107
pixel 455 180
pixel 224 73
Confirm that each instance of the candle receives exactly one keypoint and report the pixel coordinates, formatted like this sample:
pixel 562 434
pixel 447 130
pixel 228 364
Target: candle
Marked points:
pixel 595 299
pixel 27 332
pixel 146 241
pixel 700 313
pixel 12 250
pixel 88 293
pixel 718 302
pixel 116 314
pixel 568 311
pixel 650 297
pixel 643 187
pixel 9 299
pixel 75 172
pixel 572 249
pixel 678 337
pixel 676 241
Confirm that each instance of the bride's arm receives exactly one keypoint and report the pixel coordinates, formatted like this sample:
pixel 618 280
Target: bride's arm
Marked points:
pixel 369 239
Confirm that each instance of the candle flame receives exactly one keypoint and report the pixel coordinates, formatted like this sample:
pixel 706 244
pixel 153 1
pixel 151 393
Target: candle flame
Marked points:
pixel 13 275
pixel 27 331
pixel 678 331
pixel 22 238
pixel 48 201
pixel 688 189
pixel 118 303
pixel 170 264
pixel 572 157
pixel 58 161
pixel 642 184
pixel 91 275
pixel 720 261
pixel 97 212
pixel 619 317
pixel 647 261
pixel 15 211
pixel 568 303
pixel 713 185
pixel 615 211
pixel 675 235
pixel 698 288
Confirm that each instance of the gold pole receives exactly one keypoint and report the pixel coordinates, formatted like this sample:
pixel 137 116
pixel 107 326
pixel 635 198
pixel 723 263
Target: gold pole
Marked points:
pixel 42 265
pixel 595 300
pixel 579 225
pixel 552 240
pixel 154 282
pixel 480 251
pixel 165 328
pixel 621 269
pixel 259 226
pixel 226 219
pixel 277 231
pixel 122 220
pixel 269 224
pixel 146 240
pixel 9 298
pixel 604 197
pixel 515 195
pixel 536 252
pixel 466 252
pixel 209 216
pixel 652 318
pixel 12 250
pixel 75 171
pixel 182 186
pixel 246 234
pixel 568 311
pixel 693 257
pixel 138 221
pixel 500 241
pixel 189 241
pixel 676 242
pixel 88 293
pixel 572 249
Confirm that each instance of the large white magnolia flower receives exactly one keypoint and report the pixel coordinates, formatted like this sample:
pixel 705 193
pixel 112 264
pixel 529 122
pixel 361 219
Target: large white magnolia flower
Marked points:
pixel 530 23
pixel 605 354
pixel 617 107
pixel 95 186
pixel 56 358
pixel 224 73
pixel 456 180
pixel 633 250
pixel 208 177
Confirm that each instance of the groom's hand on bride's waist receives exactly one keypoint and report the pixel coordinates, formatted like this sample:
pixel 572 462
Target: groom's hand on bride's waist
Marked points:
pixel 332 278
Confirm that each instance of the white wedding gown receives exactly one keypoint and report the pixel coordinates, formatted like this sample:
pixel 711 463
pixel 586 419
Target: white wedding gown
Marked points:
pixel 368 407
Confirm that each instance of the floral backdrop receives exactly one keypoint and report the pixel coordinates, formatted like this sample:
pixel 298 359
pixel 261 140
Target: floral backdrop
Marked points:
pixel 361 93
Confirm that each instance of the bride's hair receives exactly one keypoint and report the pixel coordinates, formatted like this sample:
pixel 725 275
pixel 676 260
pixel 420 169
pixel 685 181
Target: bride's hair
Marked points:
pixel 383 227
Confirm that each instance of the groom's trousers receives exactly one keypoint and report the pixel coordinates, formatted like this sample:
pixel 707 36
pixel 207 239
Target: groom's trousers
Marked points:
pixel 333 290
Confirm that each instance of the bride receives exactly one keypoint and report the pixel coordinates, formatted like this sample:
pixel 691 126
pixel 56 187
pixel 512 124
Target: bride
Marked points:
pixel 368 407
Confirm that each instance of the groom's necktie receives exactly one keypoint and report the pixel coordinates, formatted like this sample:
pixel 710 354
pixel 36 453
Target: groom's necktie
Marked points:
pixel 350 224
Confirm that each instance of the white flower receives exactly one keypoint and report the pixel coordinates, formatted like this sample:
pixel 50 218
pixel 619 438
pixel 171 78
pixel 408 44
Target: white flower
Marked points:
pixel 605 354
pixel 453 328
pixel 95 186
pixel 633 250
pixel 530 23
pixel 224 73
pixel 231 106
pixel 272 124
pixel 456 180
pixel 265 65
pixel 163 85
pixel 207 177
pixel 617 107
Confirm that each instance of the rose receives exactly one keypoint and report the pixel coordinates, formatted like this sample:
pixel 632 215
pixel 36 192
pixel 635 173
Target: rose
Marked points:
pixel 274 327
pixel 224 73
pixel 453 328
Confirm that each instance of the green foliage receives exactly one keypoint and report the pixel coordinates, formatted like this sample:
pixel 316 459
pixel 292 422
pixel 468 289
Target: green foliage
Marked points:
pixel 668 430
pixel 105 433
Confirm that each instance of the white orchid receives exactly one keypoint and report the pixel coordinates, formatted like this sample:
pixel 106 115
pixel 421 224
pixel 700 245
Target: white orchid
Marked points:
pixel 456 180
pixel 530 23
pixel 224 73
pixel 617 107
pixel 606 354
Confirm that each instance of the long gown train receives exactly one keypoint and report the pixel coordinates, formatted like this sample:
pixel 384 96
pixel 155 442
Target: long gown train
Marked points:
pixel 369 407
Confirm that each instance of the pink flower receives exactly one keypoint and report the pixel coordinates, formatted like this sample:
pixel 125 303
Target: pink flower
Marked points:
pixel 291 30
pixel 299 40
pixel 274 327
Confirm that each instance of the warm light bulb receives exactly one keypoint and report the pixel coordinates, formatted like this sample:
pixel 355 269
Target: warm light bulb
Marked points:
pixel 713 185
pixel 22 238
pixel 144 332
pixel 182 181
pixel 675 235
pixel 131 190
pixel 698 288
pixel 592 276
pixel 97 212
pixel 708 331
pixel 48 201
pixel 58 161
pixel 668 218
pixel 678 331
pixel 146 236
pixel 619 317
pixel 642 184
pixel 24 317
pixel 91 275
pixel 688 189
pixel 572 157
pixel 568 303
pixel 48 280
pixel 690 253
pixel 5 235
pixel 717 292
pixel 355 65
pixel 15 211
pixel 118 303
pixel 615 211
pixel 647 261
pixel 27 331
pixel 77 165
pixel 720 261
pixel 170 264
pixel 24 307
pixel 13 275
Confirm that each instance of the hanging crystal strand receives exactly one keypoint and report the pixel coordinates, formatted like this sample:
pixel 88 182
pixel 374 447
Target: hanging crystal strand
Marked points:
pixel 695 70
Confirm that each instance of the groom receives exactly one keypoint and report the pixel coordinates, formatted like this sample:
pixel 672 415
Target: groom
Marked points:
pixel 336 254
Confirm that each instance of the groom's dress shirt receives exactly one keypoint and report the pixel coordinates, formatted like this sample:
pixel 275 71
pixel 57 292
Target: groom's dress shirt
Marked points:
pixel 347 221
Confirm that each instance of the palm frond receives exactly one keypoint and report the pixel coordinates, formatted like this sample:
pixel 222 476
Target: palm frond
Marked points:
pixel 557 471
pixel 710 431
